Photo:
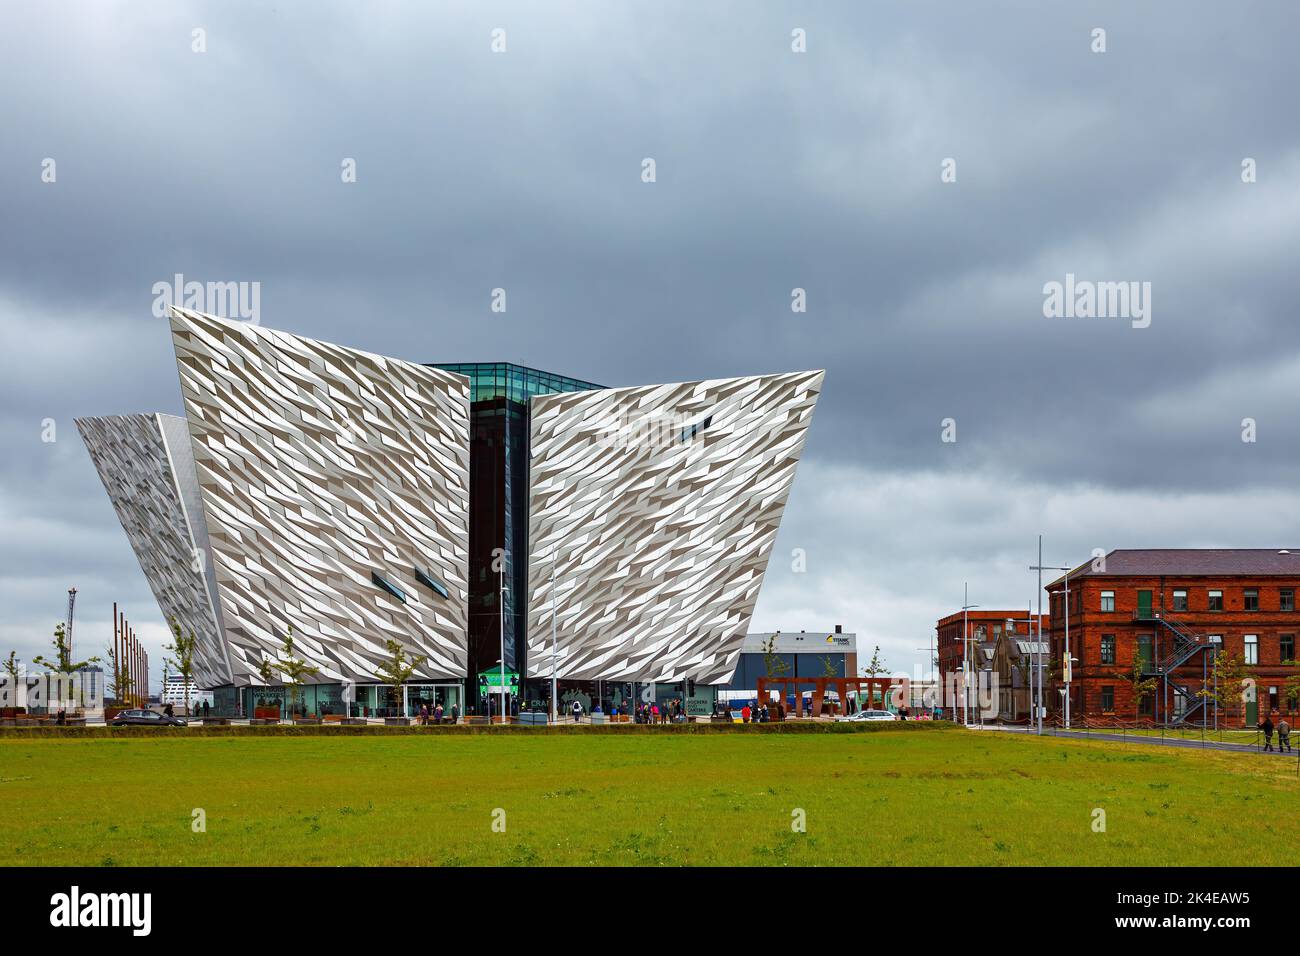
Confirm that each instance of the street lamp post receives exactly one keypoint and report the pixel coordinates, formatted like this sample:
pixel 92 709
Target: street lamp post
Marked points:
pixel 1034 655
pixel 1069 661
pixel 1067 670
pixel 555 663
pixel 965 650
pixel 502 599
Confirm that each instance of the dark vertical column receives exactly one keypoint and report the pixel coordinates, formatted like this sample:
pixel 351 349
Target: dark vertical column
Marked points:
pixel 135 667
pixel 117 690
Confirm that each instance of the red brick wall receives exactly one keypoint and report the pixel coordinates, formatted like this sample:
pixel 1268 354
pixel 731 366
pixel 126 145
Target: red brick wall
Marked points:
pixel 1088 623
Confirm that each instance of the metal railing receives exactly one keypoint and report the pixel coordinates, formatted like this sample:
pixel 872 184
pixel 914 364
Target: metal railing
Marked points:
pixel 1245 738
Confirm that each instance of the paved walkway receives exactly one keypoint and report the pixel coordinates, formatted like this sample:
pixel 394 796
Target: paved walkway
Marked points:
pixel 1153 740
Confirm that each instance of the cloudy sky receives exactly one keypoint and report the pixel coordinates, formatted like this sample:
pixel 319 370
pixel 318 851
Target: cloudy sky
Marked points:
pixel 775 170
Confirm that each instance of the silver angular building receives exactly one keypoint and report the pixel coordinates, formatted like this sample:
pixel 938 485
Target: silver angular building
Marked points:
pixel 147 469
pixel 499 523
pixel 652 514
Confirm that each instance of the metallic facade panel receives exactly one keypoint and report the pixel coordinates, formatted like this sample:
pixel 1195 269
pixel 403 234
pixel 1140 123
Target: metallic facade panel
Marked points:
pixel 320 467
pixel 142 461
pixel 658 507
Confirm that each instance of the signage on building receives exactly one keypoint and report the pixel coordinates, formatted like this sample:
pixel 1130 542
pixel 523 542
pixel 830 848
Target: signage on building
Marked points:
pixel 698 707
pixel 492 679
pixel 800 642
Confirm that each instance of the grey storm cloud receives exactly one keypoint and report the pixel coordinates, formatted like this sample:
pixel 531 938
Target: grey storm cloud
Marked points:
pixel 775 170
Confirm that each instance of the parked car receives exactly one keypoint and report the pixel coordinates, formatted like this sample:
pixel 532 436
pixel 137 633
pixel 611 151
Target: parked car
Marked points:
pixel 145 718
pixel 868 715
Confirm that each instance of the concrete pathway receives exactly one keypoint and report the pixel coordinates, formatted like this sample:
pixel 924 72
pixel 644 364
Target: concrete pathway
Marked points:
pixel 1151 740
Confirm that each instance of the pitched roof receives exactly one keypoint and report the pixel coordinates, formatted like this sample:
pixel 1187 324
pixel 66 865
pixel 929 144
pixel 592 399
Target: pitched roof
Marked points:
pixel 1192 562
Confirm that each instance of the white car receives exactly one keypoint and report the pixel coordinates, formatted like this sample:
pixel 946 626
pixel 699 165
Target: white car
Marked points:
pixel 869 715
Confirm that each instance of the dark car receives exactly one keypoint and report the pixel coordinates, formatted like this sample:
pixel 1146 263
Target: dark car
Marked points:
pixel 145 718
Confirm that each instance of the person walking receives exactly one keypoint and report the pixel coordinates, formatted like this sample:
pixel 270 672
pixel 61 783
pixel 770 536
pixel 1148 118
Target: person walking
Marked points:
pixel 1283 736
pixel 1267 727
pixel 577 712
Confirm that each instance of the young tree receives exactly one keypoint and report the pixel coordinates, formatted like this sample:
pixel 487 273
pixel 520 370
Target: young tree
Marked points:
pixel 120 681
pixel 874 669
pixel 772 661
pixel 396 669
pixel 62 662
pixel 266 672
pixel 1228 685
pixel 1290 689
pixel 182 658
pixel 294 670
pixel 1141 685
pixel 12 665
pixel 774 665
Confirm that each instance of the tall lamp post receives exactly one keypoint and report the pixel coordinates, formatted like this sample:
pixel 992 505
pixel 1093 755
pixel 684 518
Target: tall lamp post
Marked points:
pixel 1067 670
pixel 502 599
pixel 555 662
pixel 965 648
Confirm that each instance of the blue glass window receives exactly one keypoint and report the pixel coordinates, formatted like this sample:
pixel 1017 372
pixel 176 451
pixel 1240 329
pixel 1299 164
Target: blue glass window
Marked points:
pixel 387 585
pixel 434 585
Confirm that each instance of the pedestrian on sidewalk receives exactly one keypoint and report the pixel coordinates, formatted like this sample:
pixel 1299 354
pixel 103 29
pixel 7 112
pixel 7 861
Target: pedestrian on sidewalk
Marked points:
pixel 1267 727
pixel 1283 736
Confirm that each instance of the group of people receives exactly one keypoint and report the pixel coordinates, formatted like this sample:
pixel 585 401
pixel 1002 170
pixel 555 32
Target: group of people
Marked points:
pixel 760 714
pixel 651 713
pixel 438 714
pixel 1283 734
pixel 198 710
pixel 654 713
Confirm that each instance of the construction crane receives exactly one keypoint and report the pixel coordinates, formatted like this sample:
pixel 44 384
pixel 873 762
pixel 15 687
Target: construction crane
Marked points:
pixel 72 600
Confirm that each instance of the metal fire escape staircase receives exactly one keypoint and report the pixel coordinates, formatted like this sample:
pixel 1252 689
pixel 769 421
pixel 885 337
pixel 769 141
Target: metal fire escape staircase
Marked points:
pixel 1186 645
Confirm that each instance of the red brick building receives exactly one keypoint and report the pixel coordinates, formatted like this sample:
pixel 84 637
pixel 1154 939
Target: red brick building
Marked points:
pixel 1175 608
pixel 984 627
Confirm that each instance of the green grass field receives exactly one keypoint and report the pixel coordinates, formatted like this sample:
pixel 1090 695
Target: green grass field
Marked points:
pixel 870 799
